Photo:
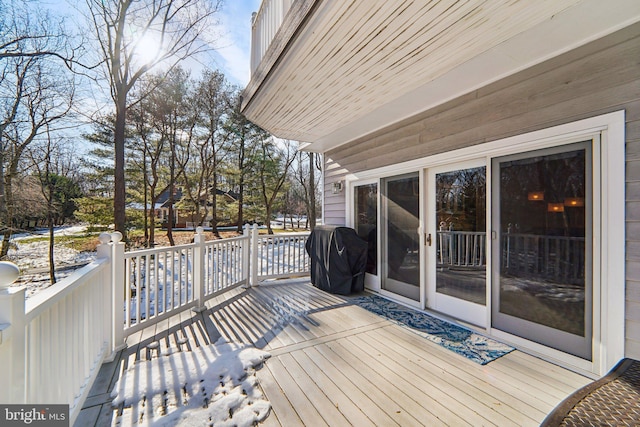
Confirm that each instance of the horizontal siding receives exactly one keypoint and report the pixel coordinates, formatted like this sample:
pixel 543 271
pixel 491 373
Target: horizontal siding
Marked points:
pixel 333 209
pixel 598 78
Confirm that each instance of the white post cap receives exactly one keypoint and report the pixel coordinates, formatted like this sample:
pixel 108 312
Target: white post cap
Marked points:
pixel 9 273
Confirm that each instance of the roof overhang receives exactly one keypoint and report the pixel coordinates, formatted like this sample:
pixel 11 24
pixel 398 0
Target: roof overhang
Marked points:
pixel 351 68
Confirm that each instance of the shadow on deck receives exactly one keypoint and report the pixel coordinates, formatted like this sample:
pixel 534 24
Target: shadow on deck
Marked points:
pixel 334 363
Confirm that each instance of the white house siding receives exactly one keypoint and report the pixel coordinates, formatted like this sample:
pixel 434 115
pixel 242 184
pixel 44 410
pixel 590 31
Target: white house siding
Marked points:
pixel 334 204
pixel 598 78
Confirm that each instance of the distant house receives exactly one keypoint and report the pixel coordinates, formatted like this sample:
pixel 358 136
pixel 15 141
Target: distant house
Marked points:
pixel 186 218
pixel 488 151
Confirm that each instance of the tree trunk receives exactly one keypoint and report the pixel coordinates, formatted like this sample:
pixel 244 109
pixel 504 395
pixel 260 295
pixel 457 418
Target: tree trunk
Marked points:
pixel 8 219
pixel 172 187
pixel 119 196
pixel 268 221
pixel 214 201
pixel 171 217
pixel 3 201
pixel 312 192
pixel 152 219
pixel 146 200
pixel 52 264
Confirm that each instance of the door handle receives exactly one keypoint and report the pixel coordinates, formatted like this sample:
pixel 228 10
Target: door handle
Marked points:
pixel 427 239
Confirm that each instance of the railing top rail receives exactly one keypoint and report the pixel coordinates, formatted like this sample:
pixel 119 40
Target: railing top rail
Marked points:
pixel 292 234
pixel 157 250
pixel 52 295
pixel 226 240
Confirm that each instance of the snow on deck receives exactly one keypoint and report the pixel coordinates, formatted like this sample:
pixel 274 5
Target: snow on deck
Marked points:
pixel 212 384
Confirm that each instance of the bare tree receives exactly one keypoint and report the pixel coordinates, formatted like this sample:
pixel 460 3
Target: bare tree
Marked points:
pixel 305 175
pixel 34 91
pixel 134 36
pixel 48 99
pixel 27 31
pixel 44 173
pixel 274 165
pixel 148 149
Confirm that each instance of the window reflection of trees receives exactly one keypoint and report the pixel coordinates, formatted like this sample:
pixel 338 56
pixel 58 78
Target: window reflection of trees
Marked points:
pixel 366 214
pixel 461 236
pixel 543 227
pixel 559 177
pixel 460 199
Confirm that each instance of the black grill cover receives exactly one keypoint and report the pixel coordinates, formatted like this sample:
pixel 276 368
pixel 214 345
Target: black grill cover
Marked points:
pixel 338 259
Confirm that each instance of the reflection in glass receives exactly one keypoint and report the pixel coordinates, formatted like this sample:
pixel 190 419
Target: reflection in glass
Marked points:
pixel 543 253
pixel 402 243
pixel 366 214
pixel 461 237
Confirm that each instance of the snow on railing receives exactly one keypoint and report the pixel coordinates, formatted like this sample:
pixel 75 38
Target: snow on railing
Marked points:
pixel 53 344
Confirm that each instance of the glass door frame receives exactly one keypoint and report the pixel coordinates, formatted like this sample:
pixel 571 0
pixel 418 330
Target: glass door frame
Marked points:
pixel 383 239
pixel 466 311
pixel 371 281
pixel 538 332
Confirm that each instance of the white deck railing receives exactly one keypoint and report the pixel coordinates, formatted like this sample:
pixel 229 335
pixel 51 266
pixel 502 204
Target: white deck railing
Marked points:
pixel 163 281
pixel 282 255
pixel 52 345
pixel 158 282
pixel 265 24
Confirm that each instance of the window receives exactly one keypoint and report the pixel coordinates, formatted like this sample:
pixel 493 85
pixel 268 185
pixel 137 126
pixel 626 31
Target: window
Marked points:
pixel 366 221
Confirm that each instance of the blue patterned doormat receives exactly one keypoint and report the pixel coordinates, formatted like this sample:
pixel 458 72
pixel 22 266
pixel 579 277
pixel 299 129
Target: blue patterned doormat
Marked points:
pixel 467 343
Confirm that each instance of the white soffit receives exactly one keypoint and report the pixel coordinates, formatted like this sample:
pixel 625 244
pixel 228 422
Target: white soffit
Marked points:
pixel 363 65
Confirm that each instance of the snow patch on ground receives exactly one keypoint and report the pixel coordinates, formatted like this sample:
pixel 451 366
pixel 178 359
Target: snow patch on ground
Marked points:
pixel 33 258
pixel 211 385
pixel 35 255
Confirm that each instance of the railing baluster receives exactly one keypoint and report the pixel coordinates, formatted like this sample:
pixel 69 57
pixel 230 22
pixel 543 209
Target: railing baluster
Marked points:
pixel 127 292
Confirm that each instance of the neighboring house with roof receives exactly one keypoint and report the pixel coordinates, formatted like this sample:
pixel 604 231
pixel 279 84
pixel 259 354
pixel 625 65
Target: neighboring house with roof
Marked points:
pixel 187 218
pixel 488 151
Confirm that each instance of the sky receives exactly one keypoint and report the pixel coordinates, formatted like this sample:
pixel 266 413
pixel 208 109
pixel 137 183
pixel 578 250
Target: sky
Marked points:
pixel 233 49
pixel 235 44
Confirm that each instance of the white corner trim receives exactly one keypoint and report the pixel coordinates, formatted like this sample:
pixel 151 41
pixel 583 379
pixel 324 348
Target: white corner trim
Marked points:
pixel 613 242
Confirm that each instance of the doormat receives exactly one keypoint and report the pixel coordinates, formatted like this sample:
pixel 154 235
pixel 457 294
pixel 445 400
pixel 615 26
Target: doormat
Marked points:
pixel 463 341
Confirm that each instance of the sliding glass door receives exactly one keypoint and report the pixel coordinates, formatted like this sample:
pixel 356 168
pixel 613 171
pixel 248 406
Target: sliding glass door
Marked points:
pixel 542 280
pixel 458 243
pixel 400 238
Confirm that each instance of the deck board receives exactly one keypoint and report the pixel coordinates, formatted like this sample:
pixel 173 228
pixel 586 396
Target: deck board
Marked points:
pixel 336 364
pixel 341 401
pixel 468 387
pixel 534 402
pixel 441 387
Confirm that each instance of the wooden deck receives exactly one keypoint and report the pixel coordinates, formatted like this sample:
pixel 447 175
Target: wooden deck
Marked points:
pixel 336 364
